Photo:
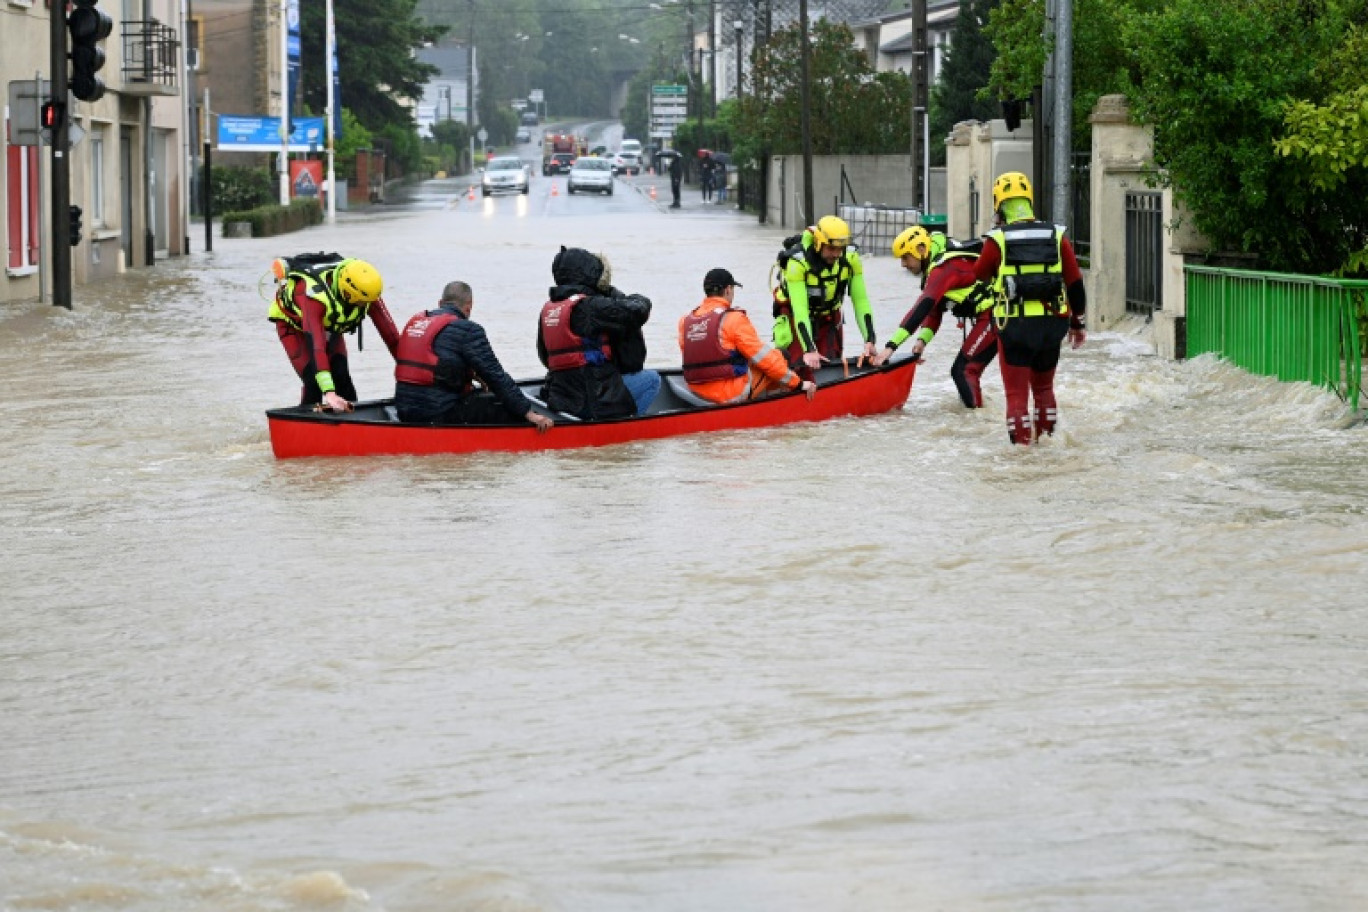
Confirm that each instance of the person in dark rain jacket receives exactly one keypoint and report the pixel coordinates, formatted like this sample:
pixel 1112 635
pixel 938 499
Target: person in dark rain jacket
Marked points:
pixel 589 337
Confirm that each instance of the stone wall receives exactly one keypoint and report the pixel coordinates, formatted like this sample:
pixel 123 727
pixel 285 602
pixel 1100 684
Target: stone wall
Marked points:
pixel 875 180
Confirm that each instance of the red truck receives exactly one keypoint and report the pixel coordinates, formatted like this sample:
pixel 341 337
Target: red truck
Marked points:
pixel 559 151
pixel 565 148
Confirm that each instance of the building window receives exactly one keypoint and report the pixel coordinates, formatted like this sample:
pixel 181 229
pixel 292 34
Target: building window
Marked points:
pixel 97 181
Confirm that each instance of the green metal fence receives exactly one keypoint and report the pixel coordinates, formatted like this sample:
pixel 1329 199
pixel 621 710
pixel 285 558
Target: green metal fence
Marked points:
pixel 1292 327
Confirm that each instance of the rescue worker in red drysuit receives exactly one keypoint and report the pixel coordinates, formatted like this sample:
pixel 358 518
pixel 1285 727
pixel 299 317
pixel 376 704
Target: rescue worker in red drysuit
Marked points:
pixel 1029 278
pixel 948 279
pixel 724 359
pixel 441 354
pixel 314 307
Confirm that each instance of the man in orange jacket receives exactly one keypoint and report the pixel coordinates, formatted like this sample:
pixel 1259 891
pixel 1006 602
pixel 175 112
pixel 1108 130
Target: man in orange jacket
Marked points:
pixel 724 359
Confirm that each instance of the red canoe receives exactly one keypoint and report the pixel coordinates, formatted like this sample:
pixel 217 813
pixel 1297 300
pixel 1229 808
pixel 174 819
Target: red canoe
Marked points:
pixel 373 428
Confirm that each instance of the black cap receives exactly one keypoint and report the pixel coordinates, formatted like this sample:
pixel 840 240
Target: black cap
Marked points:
pixel 718 280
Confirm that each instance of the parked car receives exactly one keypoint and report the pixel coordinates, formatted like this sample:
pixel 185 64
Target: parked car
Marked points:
pixel 626 163
pixel 559 163
pixel 591 174
pixel 505 174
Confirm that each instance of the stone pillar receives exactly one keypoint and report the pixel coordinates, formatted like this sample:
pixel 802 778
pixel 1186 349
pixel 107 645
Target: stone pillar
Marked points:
pixel 1170 323
pixel 1122 154
pixel 960 175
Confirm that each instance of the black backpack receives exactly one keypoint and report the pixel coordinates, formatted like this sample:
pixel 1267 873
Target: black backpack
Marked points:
pixel 312 263
pixel 792 247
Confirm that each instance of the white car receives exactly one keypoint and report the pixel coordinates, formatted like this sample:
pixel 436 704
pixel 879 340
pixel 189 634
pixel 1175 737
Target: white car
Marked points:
pixel 505 175
pixel 626 163
pixel 591 174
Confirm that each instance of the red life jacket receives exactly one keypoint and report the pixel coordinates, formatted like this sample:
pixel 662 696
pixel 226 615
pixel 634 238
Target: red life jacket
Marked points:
pixel 415 361
pixel 564 349
pixel 705 358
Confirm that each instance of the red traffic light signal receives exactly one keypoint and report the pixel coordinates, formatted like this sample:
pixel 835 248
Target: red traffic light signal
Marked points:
pixel 88 27
pixel 52 115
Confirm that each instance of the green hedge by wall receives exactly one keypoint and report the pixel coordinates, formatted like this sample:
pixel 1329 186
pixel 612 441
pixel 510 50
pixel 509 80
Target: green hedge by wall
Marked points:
pixel 267 221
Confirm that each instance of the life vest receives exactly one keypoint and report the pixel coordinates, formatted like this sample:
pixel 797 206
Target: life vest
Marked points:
pixel 705 358
pixel 416 361
pixel 1030 280
pixel 564 349
pixel 318 272
pixel 956 296
pixel 826 285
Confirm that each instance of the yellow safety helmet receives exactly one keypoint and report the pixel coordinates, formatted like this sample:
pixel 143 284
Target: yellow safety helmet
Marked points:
pixel 1012 185
pixel 831 232
pixel 359 282
pixel 913 240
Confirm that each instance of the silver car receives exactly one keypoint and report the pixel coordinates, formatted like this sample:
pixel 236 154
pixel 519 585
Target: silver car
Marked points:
pixel 505 175
pixel 591 174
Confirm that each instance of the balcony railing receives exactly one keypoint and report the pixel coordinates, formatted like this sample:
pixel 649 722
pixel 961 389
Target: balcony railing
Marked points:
pixel 151 53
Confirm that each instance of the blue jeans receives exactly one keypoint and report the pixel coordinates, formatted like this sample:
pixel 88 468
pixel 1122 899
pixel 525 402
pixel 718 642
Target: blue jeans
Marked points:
pixel 643 385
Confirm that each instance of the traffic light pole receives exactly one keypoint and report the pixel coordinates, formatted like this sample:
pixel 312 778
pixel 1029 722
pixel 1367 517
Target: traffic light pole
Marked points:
pixel 59 249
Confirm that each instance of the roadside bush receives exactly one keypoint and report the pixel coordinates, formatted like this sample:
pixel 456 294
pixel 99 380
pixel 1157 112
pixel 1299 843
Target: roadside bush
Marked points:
pixel 238 189
pixel 267 221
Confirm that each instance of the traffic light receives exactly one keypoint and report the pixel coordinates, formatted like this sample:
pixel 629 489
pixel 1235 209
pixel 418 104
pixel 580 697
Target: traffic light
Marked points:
pixel 88 27
pixel 1011 113
pixel 52 115
pixel 74 226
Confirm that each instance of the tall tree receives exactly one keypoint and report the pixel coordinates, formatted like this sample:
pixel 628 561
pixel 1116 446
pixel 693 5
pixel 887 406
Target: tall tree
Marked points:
pixel 1327 142
pixel 854 109
pixel 1216 83
pixel 960 93
pixel 376 67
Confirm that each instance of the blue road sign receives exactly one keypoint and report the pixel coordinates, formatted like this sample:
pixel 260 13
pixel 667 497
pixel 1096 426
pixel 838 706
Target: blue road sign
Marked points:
pixel 262 134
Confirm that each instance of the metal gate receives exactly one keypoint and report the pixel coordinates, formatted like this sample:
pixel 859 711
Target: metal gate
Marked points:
pixel 1080 219
pixel 1144 237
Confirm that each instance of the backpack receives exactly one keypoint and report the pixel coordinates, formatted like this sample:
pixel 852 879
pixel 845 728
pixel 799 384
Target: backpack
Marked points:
pixel 792 247
pixel 311 263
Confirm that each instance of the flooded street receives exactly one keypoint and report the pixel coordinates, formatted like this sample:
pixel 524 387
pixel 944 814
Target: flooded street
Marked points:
pixel 876 665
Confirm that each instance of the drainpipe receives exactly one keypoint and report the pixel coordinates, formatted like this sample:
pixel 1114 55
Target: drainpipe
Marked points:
pixel 149 176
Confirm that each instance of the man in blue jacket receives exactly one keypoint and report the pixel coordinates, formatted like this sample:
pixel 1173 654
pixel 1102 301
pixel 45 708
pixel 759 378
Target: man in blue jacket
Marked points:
pixel 441 354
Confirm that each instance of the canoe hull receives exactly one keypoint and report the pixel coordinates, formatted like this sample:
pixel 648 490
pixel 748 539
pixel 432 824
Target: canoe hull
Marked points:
pixel 301 432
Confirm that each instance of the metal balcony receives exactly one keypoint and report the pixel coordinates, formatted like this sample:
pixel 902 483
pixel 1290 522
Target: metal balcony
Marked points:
pixel 151 53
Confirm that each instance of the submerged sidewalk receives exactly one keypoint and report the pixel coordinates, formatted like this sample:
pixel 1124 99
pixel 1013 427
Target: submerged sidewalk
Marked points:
pixel 690 197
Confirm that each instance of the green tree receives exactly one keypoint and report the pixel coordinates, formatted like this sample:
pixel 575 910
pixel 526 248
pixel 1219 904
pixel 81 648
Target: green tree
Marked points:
pixel 376 67
pixel 1327 143
pixel 1103 64
pixel 854 109
pixel 1216 83
pixel 959 94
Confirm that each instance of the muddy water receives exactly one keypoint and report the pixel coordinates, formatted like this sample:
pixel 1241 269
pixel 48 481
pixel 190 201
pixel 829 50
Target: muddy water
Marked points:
pixel 883 664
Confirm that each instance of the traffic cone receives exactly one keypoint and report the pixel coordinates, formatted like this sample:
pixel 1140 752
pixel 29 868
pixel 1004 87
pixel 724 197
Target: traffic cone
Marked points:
pixel 555 189
pixel 471 195
pixel 653 194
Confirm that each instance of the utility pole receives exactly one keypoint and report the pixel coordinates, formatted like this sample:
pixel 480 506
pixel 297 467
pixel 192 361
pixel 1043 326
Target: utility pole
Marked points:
pixel 806 78
pixel 283 162
pixel 59 248
pixel 1063 105
pixel 712 58
pixel 920 74
pixel 470 87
